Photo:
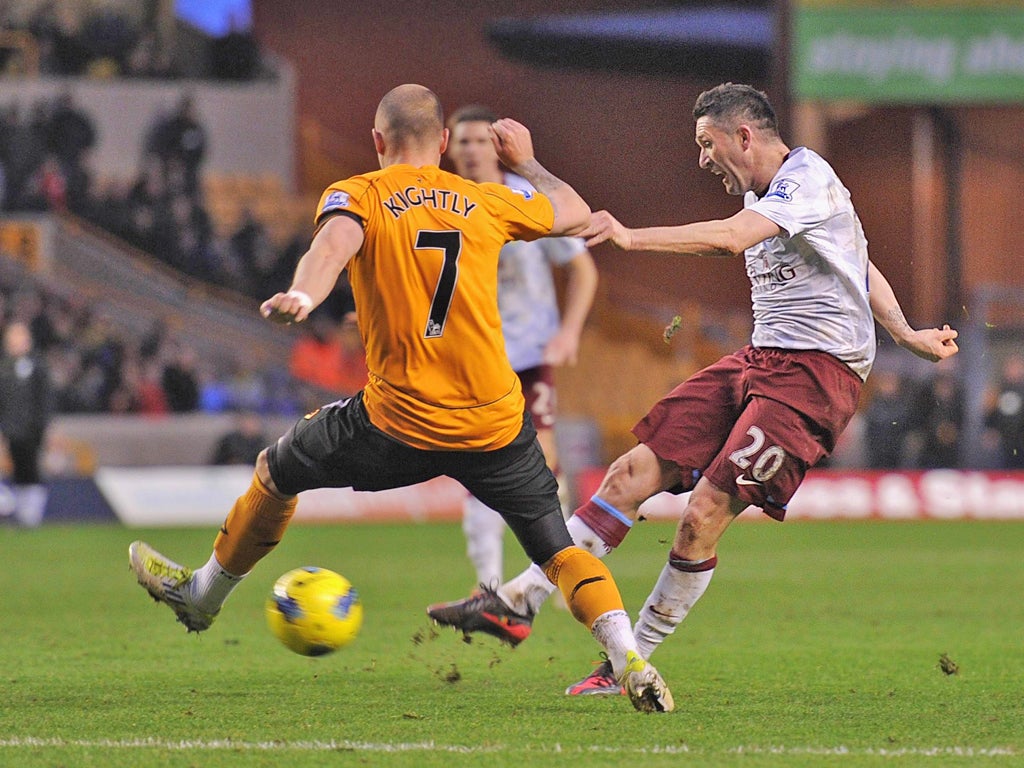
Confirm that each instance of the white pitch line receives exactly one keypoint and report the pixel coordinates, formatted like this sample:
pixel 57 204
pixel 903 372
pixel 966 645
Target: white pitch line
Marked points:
pixel 881 751
pixel 430 746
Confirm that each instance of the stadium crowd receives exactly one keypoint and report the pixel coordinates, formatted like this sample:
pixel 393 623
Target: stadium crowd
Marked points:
pixel 919 423
pixel 119 40
pixel 44 167
pixel 97 367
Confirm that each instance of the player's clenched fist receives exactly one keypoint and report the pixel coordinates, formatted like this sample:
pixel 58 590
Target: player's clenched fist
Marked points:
pixel 287 308
pixel 512 141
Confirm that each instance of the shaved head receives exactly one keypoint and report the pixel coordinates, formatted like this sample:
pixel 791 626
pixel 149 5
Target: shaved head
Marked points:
pixel 410 116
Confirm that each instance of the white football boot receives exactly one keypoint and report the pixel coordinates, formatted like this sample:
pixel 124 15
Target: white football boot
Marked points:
pixel 168 583
pixel 644 685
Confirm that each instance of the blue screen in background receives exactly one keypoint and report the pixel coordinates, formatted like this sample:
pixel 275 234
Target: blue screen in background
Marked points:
pixel 216 17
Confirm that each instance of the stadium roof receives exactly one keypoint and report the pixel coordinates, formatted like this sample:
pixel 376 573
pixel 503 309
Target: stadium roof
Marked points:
pixel 707 41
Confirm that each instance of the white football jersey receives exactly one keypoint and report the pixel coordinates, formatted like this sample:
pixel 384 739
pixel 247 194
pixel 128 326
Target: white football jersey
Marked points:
pixel 527 299
pixel 809 286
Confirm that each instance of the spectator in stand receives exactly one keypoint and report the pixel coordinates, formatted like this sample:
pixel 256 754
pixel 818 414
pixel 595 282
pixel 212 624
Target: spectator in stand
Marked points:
pixel 70 136
pixel 145 200
pixel 940 412
pixel 886 421
pixel 190 234
pixel 180 379
pixel 180 139
pixel 235 56
pixel 242 443
pixel 149 58
pixel 25 410
pixel 1005 417
pixel 47 187
pixel 70 131
pixel 253 251
pixel 96 368
pixel 330 355
pixel 56 27
pixel 108 38
pixel 23 148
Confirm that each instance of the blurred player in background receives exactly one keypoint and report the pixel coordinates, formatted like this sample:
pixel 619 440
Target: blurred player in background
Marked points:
pixel 744 430
pixel 421 246
pixel 537 338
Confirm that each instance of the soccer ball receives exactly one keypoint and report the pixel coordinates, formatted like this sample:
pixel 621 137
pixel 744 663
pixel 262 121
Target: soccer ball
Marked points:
pixel 314 611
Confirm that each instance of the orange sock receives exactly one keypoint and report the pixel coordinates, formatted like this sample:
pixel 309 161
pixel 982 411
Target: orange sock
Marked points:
pixel 586 584
pixel 253 528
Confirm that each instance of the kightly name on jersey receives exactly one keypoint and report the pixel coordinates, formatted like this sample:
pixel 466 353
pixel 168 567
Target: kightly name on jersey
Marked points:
pixel 410 197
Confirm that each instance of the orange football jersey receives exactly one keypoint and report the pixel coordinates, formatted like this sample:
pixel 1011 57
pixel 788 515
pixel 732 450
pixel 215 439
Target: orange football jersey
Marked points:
pixel 425 283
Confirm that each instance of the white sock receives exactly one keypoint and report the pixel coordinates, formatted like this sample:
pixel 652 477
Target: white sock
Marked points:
pixel 671 599
pixel 612 631
pixel 527 592
pixel 584 537
pixel 211 586
pixel 485 532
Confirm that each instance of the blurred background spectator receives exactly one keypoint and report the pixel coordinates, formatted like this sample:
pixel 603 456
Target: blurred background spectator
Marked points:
pixel 25 412
pixel 1005 417
pixel 178 140
pixel 887 421
pixel 330 355
pixel 242 443
pixel 939 410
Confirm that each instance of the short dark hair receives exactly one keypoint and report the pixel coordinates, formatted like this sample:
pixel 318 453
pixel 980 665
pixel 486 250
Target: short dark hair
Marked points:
pixel 472 113
pixel 732 102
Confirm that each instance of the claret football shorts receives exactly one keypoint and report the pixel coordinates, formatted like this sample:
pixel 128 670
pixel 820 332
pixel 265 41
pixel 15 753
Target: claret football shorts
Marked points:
pixel 754 422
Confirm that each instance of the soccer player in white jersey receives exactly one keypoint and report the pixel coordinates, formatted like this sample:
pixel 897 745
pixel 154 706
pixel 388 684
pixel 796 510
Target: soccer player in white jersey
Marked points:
pixel 744 430
pixel 538 337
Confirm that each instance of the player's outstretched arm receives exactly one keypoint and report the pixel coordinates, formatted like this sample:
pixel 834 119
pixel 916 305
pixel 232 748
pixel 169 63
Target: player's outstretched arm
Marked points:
pixel 720 237
pixel 515 149
pixel 932 344
pixel 317 272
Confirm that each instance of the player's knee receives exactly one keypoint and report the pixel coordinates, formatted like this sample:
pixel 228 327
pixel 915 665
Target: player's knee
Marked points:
pixel 703 519
pixel 263 473
pixel 633 476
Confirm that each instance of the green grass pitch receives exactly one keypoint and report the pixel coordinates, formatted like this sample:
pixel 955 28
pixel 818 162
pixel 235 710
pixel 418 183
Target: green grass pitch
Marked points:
pixel 817 644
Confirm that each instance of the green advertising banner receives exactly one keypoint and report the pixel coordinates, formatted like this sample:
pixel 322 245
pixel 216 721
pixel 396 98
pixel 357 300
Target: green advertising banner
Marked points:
pixel 909 55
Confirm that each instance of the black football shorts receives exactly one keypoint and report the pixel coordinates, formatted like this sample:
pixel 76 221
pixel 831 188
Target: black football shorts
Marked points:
pixel 336 446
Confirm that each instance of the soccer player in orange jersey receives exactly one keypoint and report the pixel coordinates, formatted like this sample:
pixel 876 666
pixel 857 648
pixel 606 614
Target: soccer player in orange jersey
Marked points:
pixel 421 246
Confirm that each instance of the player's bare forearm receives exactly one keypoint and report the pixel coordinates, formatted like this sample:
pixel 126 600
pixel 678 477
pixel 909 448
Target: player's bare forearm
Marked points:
pixel 932 344
pixel 721 237
pixel 572 213
pixel 580 290
pixel 514 146
pixel 317 272
pixel 885 306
